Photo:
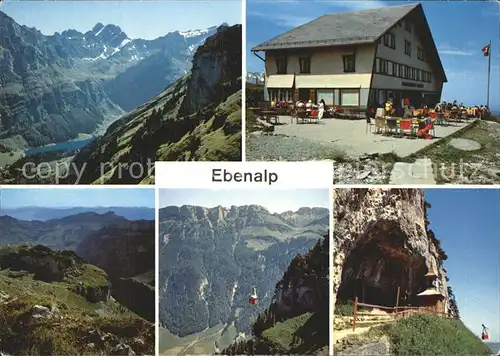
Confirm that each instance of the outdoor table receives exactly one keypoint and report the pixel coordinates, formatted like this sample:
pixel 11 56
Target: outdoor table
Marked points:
pixel 269 114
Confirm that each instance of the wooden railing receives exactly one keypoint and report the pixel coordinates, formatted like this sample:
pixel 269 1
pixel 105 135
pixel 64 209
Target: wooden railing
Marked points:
pixel 394 313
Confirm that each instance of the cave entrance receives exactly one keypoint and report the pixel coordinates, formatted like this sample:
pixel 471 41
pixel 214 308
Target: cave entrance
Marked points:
pixel 377 266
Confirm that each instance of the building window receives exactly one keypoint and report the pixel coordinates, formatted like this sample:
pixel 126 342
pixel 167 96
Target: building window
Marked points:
pixel 408 26
pixel 394 69
pixel 418 74
pixel 413 73
pixel 349 97
pixel 408 47
pixel 349 63
pixel 305 65
pixel 281 65
pixel 420 54
pixel 390 40
pixel 382 66
pixel 401 71
pixel 407 72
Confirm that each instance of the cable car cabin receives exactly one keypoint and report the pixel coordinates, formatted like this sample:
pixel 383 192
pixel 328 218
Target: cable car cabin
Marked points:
pixel 484 333
pixel 253 297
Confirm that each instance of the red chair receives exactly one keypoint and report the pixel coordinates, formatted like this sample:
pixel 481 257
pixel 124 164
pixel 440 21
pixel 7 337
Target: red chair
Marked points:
pixel 433 115
pixel 405 125
pixel 314 114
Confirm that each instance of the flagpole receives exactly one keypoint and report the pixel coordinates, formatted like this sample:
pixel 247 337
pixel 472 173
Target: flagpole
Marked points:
pixel 489 70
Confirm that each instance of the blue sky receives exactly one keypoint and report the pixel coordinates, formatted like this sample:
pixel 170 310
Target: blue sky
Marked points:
pixel 466 221
pixel 76 197
pixel 460 30
pixel 138 19
pixel 274 200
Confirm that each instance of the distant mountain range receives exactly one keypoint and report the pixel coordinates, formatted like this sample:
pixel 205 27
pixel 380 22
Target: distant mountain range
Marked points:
pixel 55 87
pixel 255 77
pixel 44 214
pixel 175 98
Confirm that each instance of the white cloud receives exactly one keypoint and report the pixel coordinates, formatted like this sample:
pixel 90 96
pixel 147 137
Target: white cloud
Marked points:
pixel 281 19
pixel 359 5
pixel 456 52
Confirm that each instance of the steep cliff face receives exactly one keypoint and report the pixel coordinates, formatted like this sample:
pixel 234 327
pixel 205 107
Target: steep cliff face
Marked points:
pixel 211 258
pixel 196 118
pixel 126 251
pixel 216 70
pixel 380 242
pixel 296 321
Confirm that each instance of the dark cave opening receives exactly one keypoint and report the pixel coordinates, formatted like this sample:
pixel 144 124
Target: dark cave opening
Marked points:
pixel 377 266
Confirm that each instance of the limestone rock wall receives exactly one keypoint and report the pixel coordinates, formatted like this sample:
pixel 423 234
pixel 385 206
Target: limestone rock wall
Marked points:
pixel 359 212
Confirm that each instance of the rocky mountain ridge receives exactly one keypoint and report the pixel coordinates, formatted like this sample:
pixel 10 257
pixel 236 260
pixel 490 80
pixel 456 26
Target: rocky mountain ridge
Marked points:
pixel 211 257
pixel 60 234
pixel 56 87
pixel 55 303
pixel 124 249
pixel 197 118
pixel 44 213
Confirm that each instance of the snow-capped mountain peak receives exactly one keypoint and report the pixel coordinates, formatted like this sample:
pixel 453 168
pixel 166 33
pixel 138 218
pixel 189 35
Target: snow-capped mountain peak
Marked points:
pixel 193 33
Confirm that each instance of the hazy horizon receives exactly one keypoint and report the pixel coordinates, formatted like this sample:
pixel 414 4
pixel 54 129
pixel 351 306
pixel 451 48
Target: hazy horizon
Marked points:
pixel 77 197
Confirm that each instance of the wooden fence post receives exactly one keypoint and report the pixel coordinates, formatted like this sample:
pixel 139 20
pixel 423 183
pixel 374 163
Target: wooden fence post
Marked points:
pixel 355 313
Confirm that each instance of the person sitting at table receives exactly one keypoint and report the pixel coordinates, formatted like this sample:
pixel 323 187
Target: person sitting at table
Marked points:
pixel 424 127
pixel 273 103
pixel 300 104
pixel 309 105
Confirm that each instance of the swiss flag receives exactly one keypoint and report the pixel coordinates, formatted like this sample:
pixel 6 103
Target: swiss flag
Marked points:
pixel 486 50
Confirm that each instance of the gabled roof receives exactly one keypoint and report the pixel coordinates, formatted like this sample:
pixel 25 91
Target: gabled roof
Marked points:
pixel 354 28
pixel 344 28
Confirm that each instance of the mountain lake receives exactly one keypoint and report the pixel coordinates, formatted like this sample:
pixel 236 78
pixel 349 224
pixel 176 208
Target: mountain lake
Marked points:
pixel 65 146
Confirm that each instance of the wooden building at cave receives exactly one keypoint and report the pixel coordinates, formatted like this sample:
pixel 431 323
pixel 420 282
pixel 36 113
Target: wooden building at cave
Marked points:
pixel 431 298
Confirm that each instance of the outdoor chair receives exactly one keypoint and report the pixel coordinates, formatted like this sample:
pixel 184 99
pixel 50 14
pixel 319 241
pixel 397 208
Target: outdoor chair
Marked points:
pixel 314 116
pixel 380 125
pixel 368 121
pixel 392 126
pixel 300 115
pixel 405 126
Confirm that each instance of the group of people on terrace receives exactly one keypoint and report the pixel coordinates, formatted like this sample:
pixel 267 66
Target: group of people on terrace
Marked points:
pixel 317 110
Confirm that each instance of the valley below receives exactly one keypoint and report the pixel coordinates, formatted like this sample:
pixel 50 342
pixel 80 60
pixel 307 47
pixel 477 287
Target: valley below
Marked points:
pixel 211 258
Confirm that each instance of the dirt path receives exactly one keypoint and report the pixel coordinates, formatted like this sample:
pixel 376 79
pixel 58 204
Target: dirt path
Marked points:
pixel 341 334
